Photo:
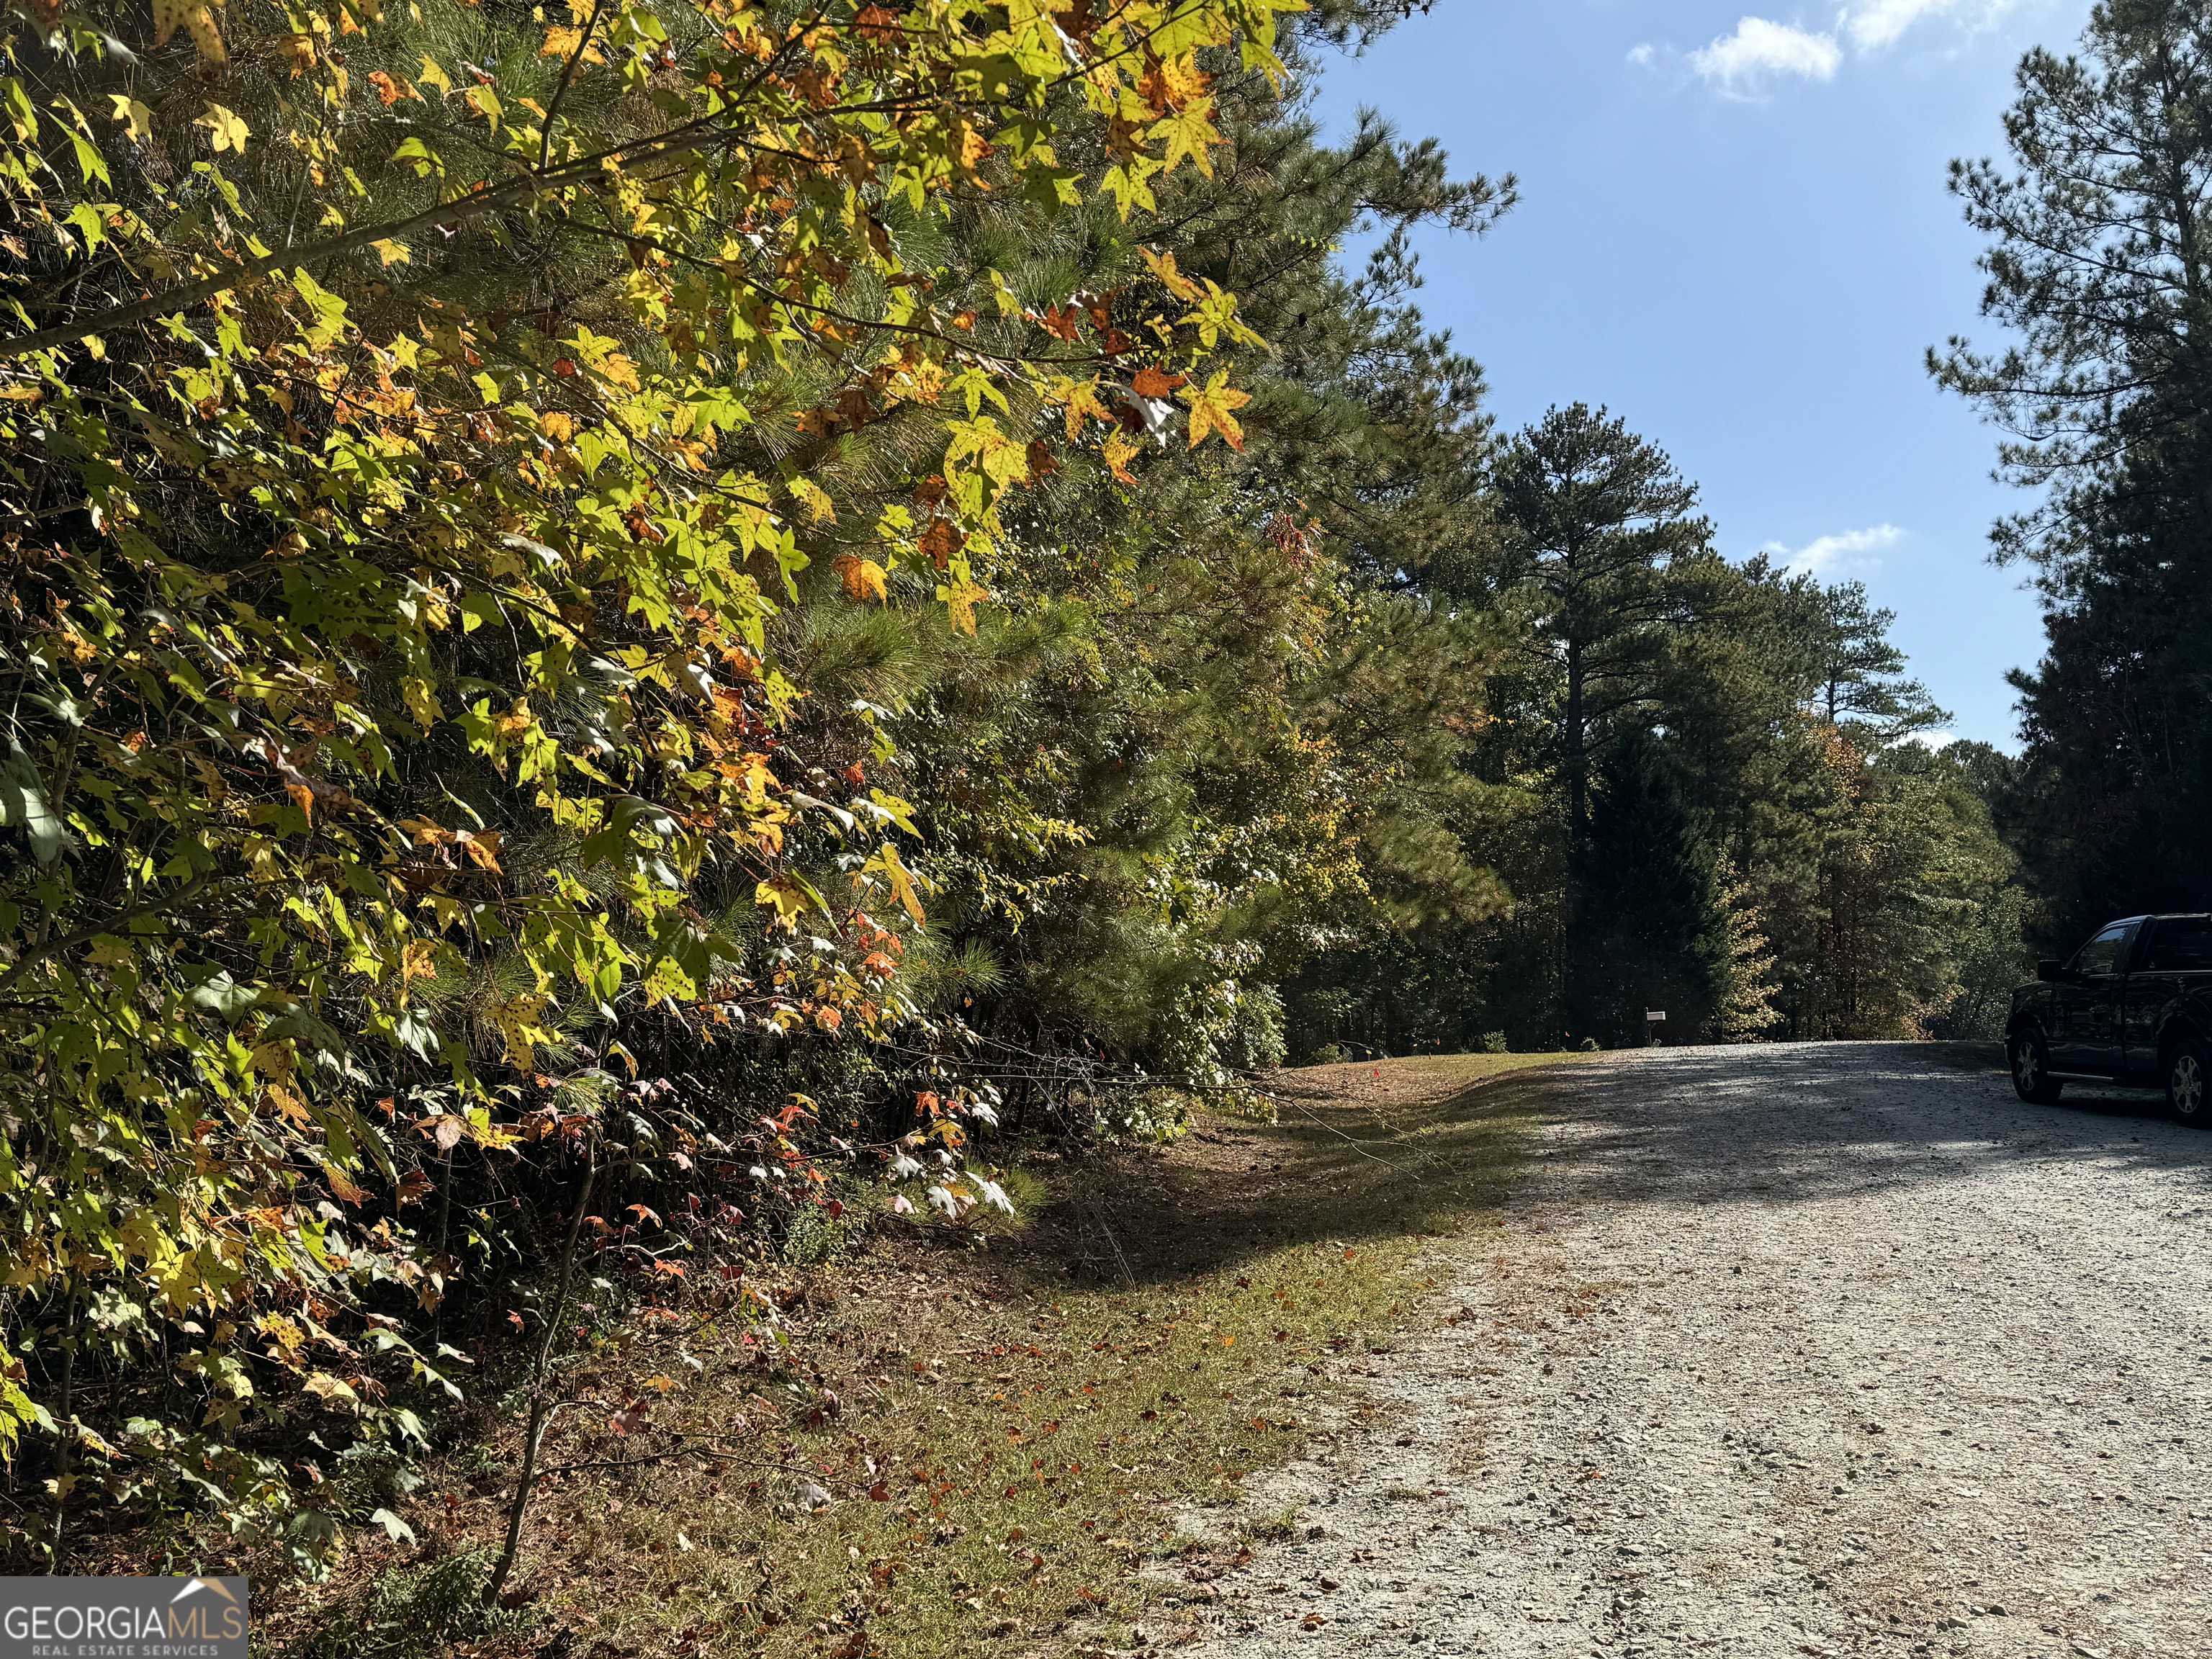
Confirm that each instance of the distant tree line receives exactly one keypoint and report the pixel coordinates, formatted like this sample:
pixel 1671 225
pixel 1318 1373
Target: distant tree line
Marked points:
pixel 1704 788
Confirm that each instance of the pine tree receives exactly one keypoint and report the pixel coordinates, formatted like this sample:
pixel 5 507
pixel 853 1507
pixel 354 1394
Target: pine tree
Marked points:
pixel 1744 998
pixel 1593 517
pixel 2100 266
pixel 1654 933
pixel 1595 527
pixel 1862 688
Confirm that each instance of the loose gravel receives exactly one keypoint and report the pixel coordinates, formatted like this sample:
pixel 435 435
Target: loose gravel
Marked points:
pixel 1819 1349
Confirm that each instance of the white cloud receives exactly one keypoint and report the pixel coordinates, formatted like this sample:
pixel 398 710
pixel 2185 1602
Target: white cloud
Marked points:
pixel 1827 556
pixel 1759 51
pixel 1642 55
pixel 1762 51
pixel 1873 24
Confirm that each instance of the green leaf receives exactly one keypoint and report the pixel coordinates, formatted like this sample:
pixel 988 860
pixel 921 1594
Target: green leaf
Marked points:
pixel 394 1528
pixel 23 806
pixel 225 997
pixel 414 153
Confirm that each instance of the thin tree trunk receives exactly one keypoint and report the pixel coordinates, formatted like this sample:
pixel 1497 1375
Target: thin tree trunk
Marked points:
pixel 1574 751
pixel 541 1399
pixel 1574 762
pixel 64 1443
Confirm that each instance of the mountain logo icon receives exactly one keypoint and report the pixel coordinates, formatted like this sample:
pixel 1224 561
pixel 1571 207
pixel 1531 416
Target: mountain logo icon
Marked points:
pixel 194 1586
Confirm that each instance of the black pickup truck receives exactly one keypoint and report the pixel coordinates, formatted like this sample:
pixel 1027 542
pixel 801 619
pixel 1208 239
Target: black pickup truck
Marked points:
pixel 2133 1007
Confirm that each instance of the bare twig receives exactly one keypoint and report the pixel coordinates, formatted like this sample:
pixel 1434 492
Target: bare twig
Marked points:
pixel 541 1400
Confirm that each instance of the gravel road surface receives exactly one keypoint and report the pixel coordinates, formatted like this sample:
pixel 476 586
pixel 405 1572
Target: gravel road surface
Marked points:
pixel 1817 1350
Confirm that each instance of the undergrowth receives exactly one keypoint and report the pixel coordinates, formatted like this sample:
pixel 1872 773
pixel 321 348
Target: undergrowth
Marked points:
pixel 972 1441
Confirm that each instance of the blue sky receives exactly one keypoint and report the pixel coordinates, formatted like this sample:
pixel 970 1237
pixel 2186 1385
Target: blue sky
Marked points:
pixel 1735 232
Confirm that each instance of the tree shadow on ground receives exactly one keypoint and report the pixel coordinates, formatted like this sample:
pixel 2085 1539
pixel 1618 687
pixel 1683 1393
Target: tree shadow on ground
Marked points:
pixel 1357 1153
pixel 1363 1153
pixel 1817 1122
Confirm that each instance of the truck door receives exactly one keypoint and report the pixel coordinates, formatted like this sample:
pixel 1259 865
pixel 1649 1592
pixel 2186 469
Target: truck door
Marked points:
pixel 2088 1004
pixel 2174 956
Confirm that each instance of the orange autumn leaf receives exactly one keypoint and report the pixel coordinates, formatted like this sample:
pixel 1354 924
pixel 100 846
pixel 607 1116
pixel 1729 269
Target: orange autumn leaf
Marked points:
pixel 939 542
pixel 863 579
pixel 876 23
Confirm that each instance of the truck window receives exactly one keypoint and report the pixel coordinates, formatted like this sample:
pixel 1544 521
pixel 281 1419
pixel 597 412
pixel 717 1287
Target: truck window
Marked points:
pixel 2182 945
pixel 2101 955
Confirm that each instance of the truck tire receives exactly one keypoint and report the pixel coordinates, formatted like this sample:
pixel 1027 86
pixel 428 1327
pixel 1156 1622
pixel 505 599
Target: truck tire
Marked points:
pixel 2031 1068
pixel 2189 1083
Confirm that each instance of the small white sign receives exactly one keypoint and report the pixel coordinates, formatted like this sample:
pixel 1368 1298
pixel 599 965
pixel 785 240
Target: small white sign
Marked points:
pixel 1655 1015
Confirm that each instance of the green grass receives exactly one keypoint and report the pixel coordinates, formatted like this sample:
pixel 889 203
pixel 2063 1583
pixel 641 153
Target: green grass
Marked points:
pixel 432 1607
pixel 1009 1426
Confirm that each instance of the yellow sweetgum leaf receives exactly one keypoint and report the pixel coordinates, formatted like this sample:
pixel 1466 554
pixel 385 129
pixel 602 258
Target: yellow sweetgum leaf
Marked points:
pixel 417 960
pixel 1163 267
pixel 136 119
pixel 561 41
pixel 1119 453
pixel 1082 403
pixel 961 595
pixel 225 130
pixel 1212 409
pixel 197 19
pixel 814 499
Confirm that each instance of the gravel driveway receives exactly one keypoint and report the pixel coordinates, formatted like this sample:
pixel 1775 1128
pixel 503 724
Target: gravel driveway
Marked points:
pixel 1813 1350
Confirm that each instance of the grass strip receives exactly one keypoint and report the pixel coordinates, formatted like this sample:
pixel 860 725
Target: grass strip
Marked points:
pixel 974 1444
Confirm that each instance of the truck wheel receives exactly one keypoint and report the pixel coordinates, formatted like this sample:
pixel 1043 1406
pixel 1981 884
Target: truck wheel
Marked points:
pixel 2189 1083
pixel 2031 1069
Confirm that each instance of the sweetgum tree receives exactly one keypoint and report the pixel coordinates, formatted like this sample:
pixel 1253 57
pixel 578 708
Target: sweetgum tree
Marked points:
pixel 414 424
